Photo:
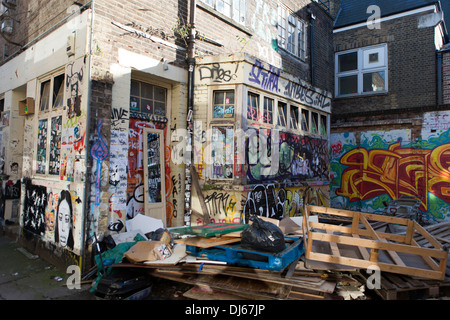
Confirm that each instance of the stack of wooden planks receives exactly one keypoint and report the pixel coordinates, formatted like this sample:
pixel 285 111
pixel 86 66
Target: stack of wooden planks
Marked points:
pixel 225 282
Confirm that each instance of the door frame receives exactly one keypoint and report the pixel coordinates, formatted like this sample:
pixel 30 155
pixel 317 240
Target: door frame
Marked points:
pixel 155 210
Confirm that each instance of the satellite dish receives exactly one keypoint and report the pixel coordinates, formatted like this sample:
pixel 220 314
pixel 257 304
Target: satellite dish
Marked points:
pixel 10 4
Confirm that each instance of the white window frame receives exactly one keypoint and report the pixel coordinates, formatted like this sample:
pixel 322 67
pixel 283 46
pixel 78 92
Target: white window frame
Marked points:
pixel 291 33
pixel 236 8
pixel 49 114
pixel 288 127
pixel 364 66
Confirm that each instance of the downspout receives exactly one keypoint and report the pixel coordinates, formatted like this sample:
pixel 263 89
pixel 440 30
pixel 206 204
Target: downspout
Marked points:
pixel 313 77
pixel 190 107
pixel 439 78
pixel 86 210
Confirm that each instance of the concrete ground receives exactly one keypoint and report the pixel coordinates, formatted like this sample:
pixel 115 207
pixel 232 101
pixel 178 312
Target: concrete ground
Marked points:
pixel 24 276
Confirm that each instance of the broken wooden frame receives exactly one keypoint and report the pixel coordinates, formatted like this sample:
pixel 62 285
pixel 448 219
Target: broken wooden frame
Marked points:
pixel 398 250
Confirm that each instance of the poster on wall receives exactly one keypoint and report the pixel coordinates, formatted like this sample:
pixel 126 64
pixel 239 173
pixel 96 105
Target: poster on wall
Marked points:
pixel 41 146
pixel 55 145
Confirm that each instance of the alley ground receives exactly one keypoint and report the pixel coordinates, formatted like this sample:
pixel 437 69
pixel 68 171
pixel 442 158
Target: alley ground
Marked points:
pixel 24 276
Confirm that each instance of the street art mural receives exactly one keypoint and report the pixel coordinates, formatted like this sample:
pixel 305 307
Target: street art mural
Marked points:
pixel 267 200
pixel 34 208
pixel 299 157
pixel 64 220
pixel 385 166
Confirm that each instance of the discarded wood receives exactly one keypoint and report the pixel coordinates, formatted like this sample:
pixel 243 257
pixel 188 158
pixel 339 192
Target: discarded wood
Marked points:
pixel 392 247
pixel 207 242
pixel 198 189
pixel 246 288
pixel 402 287
pixel 206 293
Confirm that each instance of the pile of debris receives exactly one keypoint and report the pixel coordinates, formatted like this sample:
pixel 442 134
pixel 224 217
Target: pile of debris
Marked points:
pixel 313 257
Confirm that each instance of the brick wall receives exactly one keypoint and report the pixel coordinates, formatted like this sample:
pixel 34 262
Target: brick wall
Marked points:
pixel 411 66
pixel 33 19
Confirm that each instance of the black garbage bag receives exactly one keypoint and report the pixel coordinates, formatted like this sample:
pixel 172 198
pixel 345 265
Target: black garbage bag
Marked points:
pixel 262 236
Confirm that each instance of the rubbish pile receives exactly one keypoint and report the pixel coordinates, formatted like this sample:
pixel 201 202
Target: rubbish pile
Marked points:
pixel 327 254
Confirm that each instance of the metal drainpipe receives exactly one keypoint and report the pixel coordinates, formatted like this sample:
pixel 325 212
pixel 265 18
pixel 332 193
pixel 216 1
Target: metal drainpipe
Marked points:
pixel 86 171
pixel 439 78
pixel 313 77
pixel 190 106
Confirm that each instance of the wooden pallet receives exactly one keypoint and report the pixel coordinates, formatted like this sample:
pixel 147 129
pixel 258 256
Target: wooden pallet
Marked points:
pixel 392 253
pixel 401 287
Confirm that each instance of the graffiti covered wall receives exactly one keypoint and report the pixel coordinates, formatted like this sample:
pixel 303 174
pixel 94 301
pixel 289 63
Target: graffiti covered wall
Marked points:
pixel 267 200
pixel 387 165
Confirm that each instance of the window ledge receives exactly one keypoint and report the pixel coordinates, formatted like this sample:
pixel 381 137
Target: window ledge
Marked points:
pixel 285 51
pixel 224 18
pixel 362 95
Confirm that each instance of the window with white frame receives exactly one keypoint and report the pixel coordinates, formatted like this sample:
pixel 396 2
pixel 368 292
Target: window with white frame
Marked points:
pixel 234 9
pixel 49 131
pixel 291 32
pixel 361 71
pixel 222 154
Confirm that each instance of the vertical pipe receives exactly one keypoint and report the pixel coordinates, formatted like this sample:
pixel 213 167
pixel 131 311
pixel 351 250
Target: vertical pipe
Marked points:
pixel 86 210
pixel 313 77
pixel 439 78
pixel 190 108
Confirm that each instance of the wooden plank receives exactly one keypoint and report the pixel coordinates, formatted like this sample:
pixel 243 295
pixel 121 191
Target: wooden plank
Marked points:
pixel 383 266
pixel 207 242
pixel 409 232
pixel 428 236
pixel 364 252
pixel 198 189
pixel 200 292
pixel 394 256
pixel 378 245
pixel 333 246
pixel 350 214
pixel 428 260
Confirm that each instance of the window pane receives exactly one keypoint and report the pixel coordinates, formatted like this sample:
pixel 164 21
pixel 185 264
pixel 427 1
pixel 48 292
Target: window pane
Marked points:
pixel 253 107
pixel 268 111
pixel 305 120
pixel 45 95
pixel 229 97
pixel 147 106
pixel 58 91
pixel 134 104
pixel 219 97
pixel 301 40
pixel 348 61
pixel 134 88
pixel 281 114
pixel 154 167
pixel 159 108
pixel 55 145
pixel 294 118
pixel 160 93
pixel 323 125
pixel 374 81
pixel 348 85
pixel 218 111
pixel 314 122
pixel 222 152
pixel 41 146
pixel 146 90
